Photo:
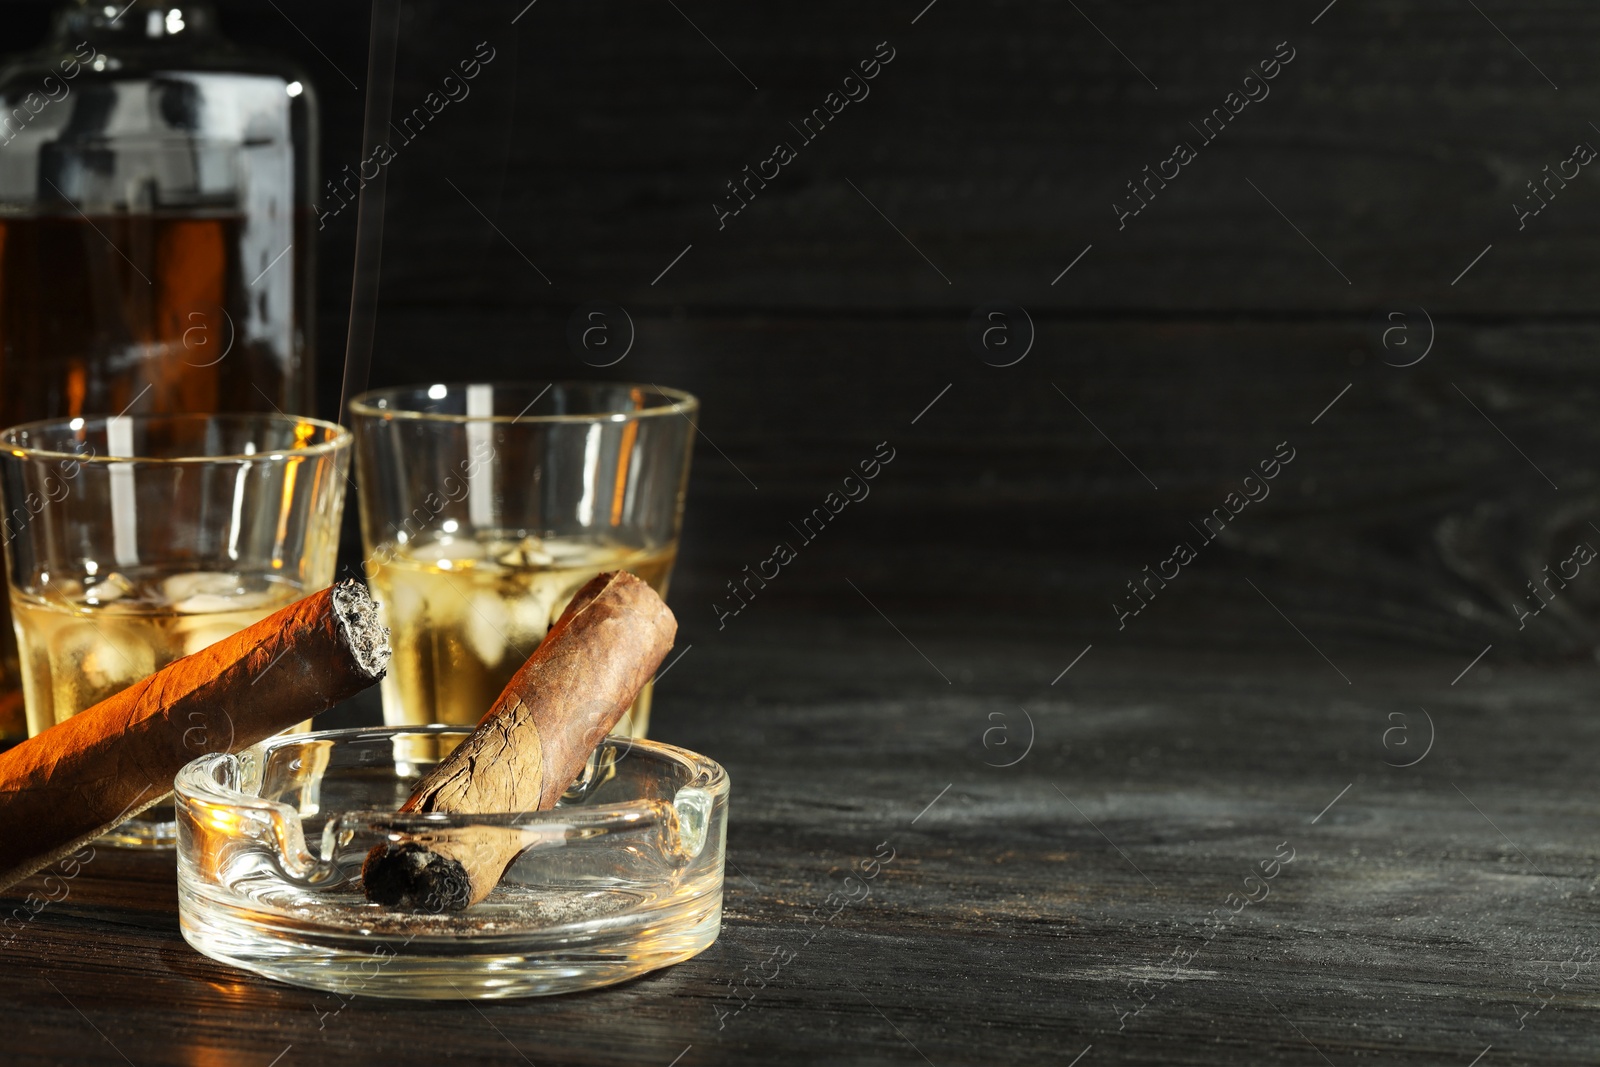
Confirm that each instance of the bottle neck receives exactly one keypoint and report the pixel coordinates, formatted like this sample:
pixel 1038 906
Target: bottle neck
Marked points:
pixel 141 22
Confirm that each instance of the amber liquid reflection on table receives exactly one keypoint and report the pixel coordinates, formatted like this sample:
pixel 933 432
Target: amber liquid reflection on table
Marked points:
pixel 465 612
pixel 151 312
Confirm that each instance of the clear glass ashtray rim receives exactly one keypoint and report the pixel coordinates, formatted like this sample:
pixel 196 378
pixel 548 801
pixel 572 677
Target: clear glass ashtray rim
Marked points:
pixel 197 779
pixel 344 944
pixel 277 827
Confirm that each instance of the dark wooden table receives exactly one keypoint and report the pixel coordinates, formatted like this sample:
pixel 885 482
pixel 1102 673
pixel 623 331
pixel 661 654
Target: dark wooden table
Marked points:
pixel 1031 912
pixel 1084 807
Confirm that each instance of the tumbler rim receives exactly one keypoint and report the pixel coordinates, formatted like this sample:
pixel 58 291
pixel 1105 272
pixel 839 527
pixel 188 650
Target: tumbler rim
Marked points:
pixel 682 403
pixel 338 439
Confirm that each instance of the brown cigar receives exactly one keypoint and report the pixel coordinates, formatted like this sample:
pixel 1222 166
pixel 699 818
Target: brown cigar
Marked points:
pixel 83 776
pixel 530 746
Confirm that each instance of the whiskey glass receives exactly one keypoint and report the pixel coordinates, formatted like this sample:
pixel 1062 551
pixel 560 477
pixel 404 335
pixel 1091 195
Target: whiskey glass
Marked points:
pixel 133 541
pixel 485 507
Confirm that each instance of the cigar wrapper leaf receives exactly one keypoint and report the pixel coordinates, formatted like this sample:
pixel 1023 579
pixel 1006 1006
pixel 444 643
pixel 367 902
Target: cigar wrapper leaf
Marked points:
pixel 104 765
pixel 529 747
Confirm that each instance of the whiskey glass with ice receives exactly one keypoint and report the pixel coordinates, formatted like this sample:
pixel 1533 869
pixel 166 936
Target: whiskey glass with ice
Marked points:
pixel 133 541
pixel 485 507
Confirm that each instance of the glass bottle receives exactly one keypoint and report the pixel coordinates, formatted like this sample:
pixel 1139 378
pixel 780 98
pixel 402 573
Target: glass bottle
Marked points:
pixel 155 237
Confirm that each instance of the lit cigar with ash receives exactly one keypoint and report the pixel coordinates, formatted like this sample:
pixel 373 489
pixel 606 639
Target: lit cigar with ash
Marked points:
pixel 529 747
pixel 83 776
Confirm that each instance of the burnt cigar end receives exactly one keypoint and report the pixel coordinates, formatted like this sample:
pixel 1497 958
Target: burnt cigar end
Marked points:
pixel 416 878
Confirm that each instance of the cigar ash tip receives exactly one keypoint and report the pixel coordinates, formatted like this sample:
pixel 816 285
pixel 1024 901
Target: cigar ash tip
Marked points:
pixel 367 638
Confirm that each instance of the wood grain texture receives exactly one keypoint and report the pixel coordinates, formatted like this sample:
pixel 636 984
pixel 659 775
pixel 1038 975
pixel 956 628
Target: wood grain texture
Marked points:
pixel 996 143
pixel 1008 927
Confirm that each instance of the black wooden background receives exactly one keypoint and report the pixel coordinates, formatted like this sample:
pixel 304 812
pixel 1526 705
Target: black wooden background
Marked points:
pixel 1342 272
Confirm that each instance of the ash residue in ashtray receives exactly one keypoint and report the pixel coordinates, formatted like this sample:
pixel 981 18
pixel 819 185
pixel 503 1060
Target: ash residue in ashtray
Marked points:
pixel 510 909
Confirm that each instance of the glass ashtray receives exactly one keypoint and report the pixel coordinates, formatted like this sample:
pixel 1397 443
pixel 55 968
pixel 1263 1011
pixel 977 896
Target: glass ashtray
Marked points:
pixel 622 877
